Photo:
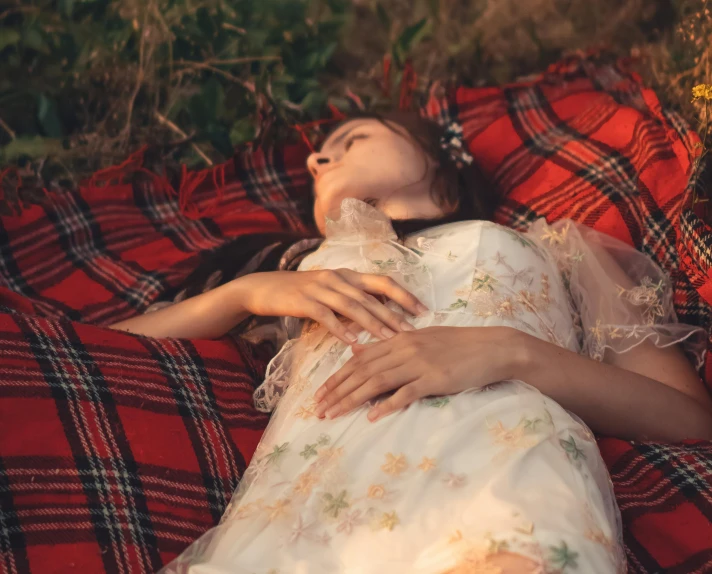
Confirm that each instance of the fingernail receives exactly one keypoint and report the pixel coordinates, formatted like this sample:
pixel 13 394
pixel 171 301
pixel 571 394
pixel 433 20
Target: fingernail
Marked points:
pixel 319 410
pixel 422 308
pixel 407 326
pixel 333 411
pixel 351 337
pixel 372 415
pixel 387 333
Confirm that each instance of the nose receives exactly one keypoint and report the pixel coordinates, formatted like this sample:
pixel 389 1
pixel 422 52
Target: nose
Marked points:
pixel 317 163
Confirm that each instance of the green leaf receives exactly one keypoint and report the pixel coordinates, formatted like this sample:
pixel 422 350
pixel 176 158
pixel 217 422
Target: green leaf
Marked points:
pixel 34 39
pixel 434 8
pixel 383 16
pixel 220 138
pixel 214 97
pixel 326 53
pixel 66 7
pixel 8 37
pixel 205 22
pixel 48 117
pixel 412 35
pixel 33 147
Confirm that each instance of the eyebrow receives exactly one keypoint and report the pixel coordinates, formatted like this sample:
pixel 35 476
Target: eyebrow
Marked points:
pixel 341 136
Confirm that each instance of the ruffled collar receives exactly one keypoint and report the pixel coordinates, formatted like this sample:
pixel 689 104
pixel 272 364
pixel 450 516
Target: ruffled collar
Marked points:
pixel 359 222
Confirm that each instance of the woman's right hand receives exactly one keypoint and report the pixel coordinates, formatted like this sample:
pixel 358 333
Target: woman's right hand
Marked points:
pixel 320 294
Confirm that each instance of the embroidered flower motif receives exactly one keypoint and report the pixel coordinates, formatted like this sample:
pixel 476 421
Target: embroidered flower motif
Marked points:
pixel 306 412
pixel 572 450
pixel 556 237
pixel 300 530
pixel 484 281
pixel 306 481
pixel 394 465
pixel 459 304
pixel 309 451
pixel 349 521
pixel 427 464
pixel 647 295
pixel 334 504
pixel 634 331
pixel 376 491
pixel 455 480
pixel 389 520
pixel 597 332
pixel 506 308
pixel 424 244
pixel 562 557
pixel 257 468
pixel 277 453
pixel 516 437
pixel 247 510
pixel 527 299
pixel 299 384
pixel 437 402
pixel 278 509
pixel 328 455
pixel 455 537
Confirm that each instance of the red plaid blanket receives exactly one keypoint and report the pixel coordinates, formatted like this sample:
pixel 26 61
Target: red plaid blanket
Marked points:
pixel 116 451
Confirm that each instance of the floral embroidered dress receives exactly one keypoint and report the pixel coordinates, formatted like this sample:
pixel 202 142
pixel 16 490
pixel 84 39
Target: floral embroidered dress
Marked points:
pixel 452 483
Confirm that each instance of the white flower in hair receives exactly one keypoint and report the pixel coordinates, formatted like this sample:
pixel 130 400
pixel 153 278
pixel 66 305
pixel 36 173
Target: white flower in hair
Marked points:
pixel 453 143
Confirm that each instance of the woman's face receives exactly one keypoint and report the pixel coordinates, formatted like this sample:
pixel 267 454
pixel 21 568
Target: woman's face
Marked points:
pixel 376 163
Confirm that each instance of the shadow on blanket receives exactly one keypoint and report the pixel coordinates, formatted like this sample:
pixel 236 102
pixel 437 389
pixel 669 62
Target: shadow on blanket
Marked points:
pixel 117 451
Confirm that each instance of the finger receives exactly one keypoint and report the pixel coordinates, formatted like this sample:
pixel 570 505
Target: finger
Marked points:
pixel 398 400
pixel 390 318
pixel 356 375
pixel 374 386
pixel 354 310
pixel 366 353
pixel 325 317
pixel 385 286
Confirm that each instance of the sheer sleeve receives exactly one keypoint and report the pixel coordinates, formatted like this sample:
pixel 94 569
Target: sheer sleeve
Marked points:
pixel 619 296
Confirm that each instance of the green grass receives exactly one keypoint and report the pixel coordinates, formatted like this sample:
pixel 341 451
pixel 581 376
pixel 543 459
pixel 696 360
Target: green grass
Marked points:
pixel 85 82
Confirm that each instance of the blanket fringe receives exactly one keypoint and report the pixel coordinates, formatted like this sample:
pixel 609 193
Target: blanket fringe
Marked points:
pixel 190 181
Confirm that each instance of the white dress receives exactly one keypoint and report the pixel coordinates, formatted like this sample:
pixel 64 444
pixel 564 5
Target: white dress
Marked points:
pixel 449 484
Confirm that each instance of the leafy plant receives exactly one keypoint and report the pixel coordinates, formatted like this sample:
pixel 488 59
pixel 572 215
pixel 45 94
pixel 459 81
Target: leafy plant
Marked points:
pixel 83 82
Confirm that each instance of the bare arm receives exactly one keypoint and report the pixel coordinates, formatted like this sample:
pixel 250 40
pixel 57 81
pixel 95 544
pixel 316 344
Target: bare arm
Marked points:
pixel 644 394
pixel 318 295
pixel 206 316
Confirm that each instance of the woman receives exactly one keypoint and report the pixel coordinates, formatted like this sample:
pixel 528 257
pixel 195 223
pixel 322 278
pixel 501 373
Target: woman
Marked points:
pixel 498 481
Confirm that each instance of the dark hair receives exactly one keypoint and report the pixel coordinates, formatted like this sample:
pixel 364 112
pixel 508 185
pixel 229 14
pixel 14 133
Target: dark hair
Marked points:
pixel 462 192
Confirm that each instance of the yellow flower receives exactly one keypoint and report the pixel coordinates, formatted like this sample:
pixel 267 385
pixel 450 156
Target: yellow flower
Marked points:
pixel 456 537
pixel 305 482
pixel 702 91
pixel 376 491
pixel 331 454
pixel 394 465
pixel 279 508
pixel 389 520
pixel 427 464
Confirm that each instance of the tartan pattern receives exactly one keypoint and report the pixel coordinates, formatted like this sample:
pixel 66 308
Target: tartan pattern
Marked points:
pixel 116 451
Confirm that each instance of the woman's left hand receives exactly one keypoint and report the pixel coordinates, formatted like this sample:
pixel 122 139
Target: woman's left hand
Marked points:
pixel 429 361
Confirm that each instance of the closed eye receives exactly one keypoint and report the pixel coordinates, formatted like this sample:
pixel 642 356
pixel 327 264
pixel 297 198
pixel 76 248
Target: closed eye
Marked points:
pixel 349 142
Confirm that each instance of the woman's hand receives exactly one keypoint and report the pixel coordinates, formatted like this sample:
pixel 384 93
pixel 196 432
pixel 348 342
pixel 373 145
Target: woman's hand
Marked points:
pixel 430 361
pixel 320 294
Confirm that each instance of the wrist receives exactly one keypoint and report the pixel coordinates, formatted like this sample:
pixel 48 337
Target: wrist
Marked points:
pixel 237 296
pixel 522 354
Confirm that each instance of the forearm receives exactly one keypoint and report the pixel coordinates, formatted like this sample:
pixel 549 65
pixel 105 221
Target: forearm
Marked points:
pixel 611 400
pixel 206 316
